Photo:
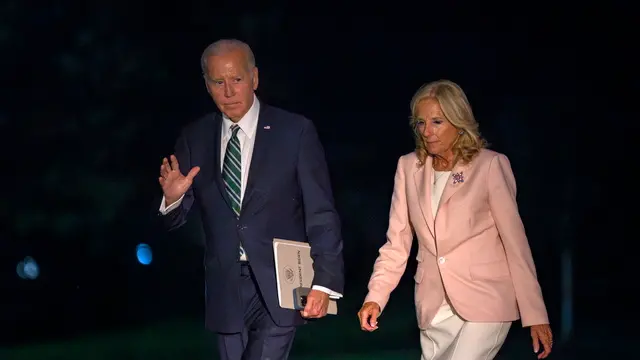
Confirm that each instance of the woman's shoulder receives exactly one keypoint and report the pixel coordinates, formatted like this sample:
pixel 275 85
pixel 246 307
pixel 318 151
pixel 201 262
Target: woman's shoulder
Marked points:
pixel 408 160
pixel 485 157
pixel 412 156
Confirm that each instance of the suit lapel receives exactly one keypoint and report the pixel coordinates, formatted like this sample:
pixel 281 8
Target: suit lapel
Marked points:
pixel 258 159
pixel 423 179
pixel 456 181
pixel 216 153
pixel 459 177
pixel 424 186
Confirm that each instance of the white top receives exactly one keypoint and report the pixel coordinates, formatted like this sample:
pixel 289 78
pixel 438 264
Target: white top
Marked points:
pixel 440 179
pixel 439 182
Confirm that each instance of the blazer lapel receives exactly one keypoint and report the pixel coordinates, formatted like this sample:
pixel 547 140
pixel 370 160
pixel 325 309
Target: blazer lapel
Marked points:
pixel 259 160
pixel 455 182
pixel 424 185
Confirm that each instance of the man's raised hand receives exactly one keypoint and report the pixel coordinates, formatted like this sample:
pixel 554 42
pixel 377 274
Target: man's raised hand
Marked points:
pixel 173 183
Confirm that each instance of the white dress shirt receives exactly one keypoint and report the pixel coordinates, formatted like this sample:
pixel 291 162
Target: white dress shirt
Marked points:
pixel 247 137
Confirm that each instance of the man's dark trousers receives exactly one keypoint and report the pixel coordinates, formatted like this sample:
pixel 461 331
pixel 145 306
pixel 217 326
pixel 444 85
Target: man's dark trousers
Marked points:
pixel 262 338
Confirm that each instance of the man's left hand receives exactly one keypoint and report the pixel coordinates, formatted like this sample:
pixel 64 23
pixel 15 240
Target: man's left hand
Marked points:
pixel 317 305
pixel 541 335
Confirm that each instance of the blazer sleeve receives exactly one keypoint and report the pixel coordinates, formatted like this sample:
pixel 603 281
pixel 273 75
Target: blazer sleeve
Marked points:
pixel 393 255
pixel 321 218
pixel 504 209
pixel 178 216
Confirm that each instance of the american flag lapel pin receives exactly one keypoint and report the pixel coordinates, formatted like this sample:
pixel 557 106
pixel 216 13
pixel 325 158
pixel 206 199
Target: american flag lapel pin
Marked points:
pixel 267 127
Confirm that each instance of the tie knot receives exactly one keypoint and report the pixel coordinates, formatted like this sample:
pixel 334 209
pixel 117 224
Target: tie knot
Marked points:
pixel 234 129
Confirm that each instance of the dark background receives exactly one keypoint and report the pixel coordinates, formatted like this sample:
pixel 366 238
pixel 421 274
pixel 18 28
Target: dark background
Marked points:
pixel 94 95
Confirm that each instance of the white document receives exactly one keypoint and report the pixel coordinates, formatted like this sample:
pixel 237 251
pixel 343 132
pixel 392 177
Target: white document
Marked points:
pixel 294 268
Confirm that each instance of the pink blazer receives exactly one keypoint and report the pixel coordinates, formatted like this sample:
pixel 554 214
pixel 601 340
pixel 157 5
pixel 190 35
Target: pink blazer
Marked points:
pixel 482 256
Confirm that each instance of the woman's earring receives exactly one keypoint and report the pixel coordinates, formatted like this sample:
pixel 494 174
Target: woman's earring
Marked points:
pixel 461 132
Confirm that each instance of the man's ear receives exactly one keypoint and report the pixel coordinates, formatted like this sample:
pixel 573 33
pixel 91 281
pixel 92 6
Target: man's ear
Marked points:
pixel 206 85
pixel 254 77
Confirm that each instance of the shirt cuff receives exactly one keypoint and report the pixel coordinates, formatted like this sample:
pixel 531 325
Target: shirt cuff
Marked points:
pixel 164 210
pixel 332 294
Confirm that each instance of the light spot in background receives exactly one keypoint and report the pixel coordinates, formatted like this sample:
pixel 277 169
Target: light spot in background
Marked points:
pixel 144 254
pixel 28 269
pixel 566 322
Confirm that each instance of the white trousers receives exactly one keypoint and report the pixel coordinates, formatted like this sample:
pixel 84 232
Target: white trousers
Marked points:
pixel 451 338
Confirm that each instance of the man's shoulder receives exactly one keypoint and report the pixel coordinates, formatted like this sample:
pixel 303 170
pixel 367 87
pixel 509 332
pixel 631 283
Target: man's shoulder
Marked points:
pixel 274 115
pixel 284 117
pixel 203 124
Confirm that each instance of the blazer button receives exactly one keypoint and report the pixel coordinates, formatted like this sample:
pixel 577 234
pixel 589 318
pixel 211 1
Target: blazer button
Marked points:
pixel 441 260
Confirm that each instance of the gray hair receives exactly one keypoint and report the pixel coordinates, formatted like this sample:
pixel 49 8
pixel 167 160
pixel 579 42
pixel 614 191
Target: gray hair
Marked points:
pixel 225 46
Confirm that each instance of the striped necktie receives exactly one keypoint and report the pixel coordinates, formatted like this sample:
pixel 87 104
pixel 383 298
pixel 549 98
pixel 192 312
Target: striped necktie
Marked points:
pixel 232 175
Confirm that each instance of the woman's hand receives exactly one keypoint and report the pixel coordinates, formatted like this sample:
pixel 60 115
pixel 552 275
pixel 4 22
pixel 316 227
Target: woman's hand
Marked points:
pixel 368 316
pixel 541 334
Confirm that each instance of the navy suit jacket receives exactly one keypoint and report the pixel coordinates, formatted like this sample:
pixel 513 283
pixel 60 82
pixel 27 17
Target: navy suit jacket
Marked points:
pixel 288 195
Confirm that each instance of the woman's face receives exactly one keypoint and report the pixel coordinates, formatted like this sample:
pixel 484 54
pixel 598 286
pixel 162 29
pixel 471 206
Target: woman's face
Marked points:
pixel 439 134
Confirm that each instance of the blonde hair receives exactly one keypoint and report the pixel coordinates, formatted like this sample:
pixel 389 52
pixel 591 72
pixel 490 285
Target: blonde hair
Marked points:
pixel 457 111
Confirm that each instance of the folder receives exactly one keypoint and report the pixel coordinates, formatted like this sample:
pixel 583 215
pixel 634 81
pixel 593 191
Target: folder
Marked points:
pixel 294 273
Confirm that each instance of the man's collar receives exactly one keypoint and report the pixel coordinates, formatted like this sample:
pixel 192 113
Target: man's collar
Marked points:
pixel 249 122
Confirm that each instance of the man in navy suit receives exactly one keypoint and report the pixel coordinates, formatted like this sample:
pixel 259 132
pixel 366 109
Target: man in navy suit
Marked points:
pixel 261 174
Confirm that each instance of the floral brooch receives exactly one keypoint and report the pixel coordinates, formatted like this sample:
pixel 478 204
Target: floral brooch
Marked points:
pixel 458 178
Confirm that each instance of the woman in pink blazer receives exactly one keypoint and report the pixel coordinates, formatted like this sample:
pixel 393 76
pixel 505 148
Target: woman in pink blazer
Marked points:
pixel 475 271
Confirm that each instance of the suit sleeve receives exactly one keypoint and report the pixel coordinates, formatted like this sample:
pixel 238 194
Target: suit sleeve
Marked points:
pixel 321 218
pixel 393 255
pixel 177 215
pixel 504 209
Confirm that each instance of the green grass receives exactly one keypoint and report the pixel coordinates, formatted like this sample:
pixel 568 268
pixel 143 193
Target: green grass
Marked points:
pixel 331 338
pixel 382 355
pixel 334 337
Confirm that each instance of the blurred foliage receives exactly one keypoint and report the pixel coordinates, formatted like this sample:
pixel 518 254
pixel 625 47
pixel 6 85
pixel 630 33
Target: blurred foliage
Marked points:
pixel 87 100
pixel 68 106
pixel 97 98
pixel 82 101
pixel 94 95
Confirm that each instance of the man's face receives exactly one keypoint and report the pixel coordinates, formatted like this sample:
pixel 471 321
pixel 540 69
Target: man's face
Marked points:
pixel 231 83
